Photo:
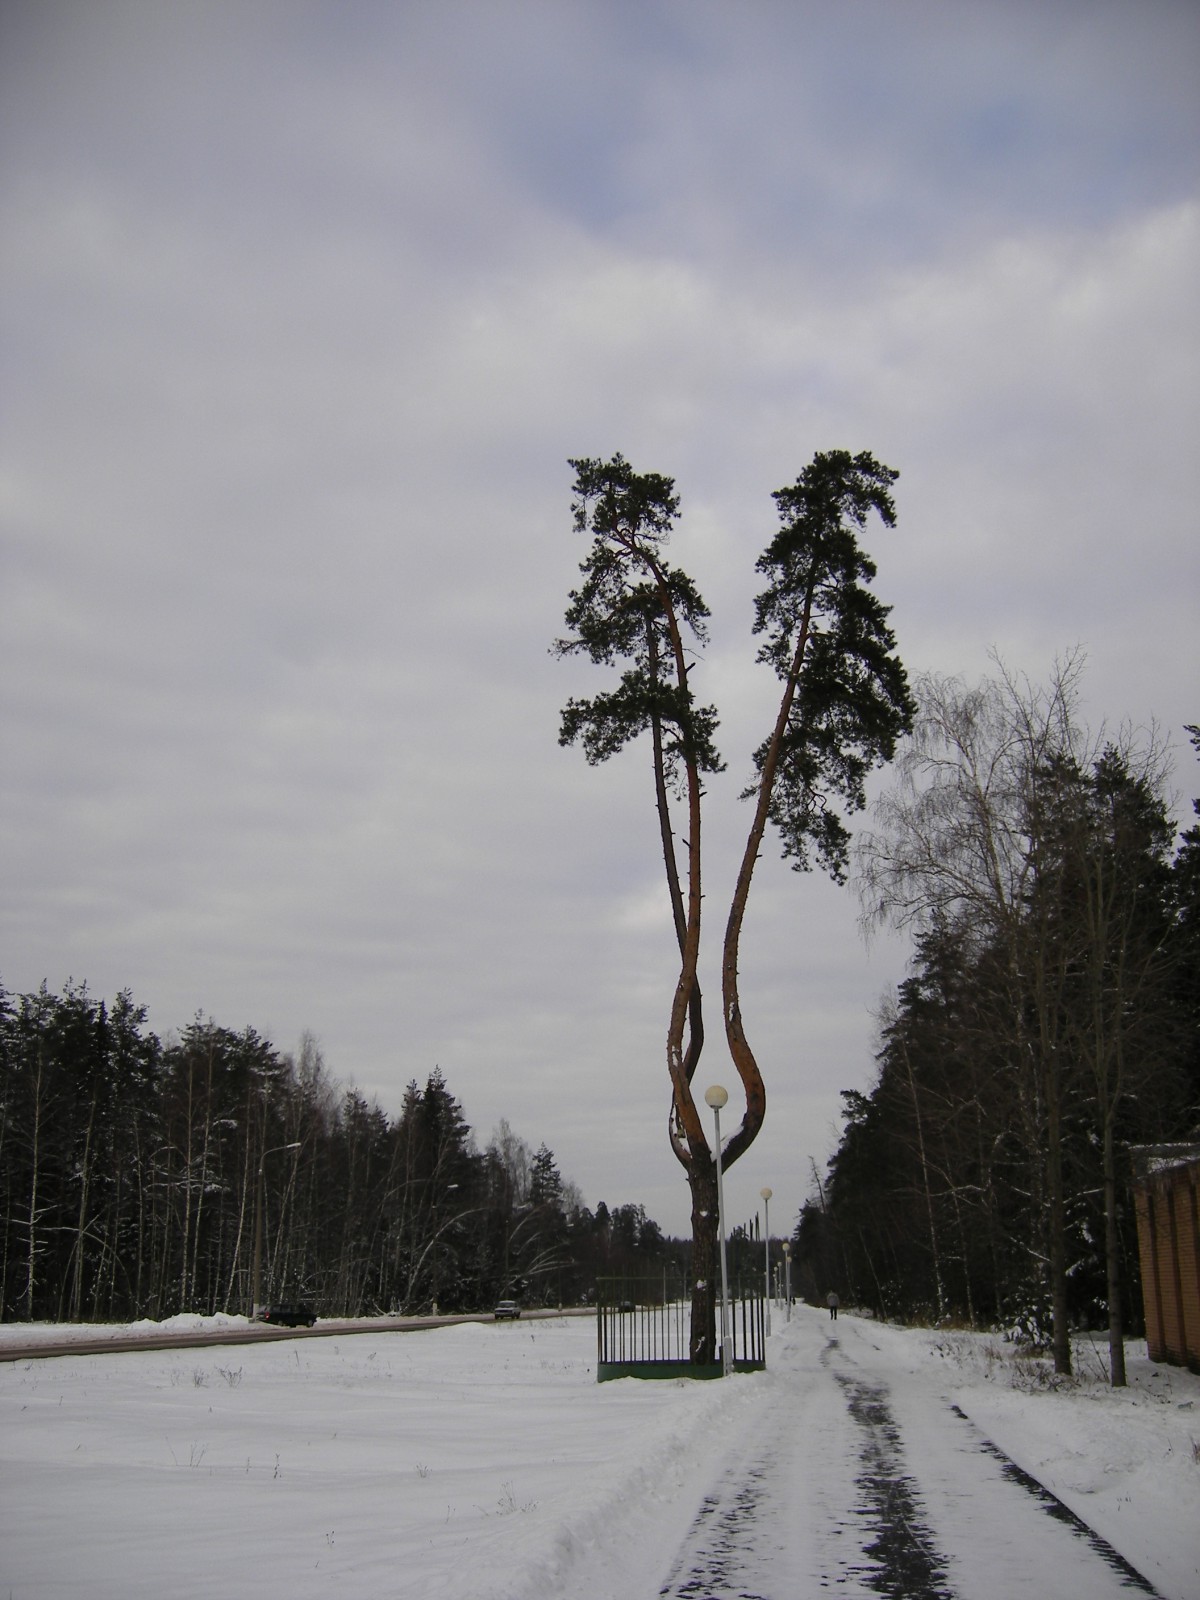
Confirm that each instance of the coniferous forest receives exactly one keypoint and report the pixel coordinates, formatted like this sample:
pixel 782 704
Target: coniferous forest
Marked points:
pixel 1049 1024
pixel 142 1178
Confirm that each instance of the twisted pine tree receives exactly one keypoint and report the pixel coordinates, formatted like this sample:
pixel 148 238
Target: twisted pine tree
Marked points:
pixel 844 704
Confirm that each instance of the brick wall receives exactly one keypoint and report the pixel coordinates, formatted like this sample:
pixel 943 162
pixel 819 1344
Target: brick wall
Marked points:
pixel 1167 1198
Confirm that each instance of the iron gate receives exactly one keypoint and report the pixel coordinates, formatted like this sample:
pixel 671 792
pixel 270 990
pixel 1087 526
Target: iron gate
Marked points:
pixel 643 1330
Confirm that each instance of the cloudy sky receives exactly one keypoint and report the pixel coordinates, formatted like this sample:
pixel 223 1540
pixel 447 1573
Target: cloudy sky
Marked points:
pixel 305 306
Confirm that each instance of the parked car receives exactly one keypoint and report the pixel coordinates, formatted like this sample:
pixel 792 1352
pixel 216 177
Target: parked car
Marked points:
pixel 507 1310
pixel 287 1316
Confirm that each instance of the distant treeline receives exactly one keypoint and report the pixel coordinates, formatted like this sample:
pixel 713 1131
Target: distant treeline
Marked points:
pixel 1050 1022
pixel 140 1179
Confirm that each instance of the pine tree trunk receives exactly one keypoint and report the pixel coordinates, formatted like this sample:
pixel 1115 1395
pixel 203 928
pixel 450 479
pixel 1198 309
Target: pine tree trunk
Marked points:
pixel 1112 1253
pixel 705 1264
pixel 1058 1231
pixel 31 1258
pixel 75 1313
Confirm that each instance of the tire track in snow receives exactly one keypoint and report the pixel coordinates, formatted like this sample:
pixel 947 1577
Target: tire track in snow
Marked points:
pixel 980 1502
pixel 720 1536
pixel 889 1505
pixel 778 1518
pixel 1054 1507
pixel 910 1567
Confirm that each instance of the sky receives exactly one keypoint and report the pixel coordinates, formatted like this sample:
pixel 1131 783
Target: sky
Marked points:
pixel 304 308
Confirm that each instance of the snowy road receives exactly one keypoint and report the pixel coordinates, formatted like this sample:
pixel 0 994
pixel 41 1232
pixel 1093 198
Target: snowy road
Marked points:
pixel 484 1462
pixel 848 1480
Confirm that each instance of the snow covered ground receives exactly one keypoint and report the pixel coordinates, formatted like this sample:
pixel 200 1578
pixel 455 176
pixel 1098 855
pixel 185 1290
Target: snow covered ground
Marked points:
pixel 484 1462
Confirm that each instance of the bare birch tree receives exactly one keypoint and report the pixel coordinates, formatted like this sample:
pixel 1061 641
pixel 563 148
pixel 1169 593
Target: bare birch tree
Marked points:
pixel 1010 822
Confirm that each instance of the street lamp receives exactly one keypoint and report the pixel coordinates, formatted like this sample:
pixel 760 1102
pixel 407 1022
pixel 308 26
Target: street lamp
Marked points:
pixel 716 1097
pixel 787 1278
pixel 766 1200
pixel 256 1271
pixel 436 1235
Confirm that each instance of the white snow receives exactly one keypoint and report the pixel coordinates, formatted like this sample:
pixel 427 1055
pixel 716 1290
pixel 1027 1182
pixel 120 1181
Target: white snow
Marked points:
pixel 483 1462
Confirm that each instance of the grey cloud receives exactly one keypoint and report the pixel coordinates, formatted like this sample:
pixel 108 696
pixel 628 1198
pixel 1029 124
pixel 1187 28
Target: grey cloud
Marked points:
pixel 306 312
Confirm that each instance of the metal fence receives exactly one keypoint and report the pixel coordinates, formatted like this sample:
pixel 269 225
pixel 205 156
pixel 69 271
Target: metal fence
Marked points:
pixel 643 1330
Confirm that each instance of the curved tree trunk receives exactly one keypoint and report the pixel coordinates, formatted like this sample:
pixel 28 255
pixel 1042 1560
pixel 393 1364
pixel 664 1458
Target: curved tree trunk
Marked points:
pixel 687 1129
pixel 735 1033
pixel 695 1016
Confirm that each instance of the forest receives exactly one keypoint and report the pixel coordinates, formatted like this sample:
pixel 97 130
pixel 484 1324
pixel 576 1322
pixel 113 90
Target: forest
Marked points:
pixel 140 1178
pixel 1048 1026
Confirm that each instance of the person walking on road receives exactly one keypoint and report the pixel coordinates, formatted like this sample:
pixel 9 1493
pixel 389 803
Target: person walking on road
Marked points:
pixel 831 1300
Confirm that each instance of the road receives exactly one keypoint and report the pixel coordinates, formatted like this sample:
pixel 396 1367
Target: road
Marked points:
pixel 242 1333
pixel 852 1480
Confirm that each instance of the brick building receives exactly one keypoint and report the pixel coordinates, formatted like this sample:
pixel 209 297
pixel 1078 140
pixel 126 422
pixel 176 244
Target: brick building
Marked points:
pixel 1166 1191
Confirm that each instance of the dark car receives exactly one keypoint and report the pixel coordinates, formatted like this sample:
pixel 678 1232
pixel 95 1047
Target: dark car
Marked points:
pixel 287 1316
pixel 507 1311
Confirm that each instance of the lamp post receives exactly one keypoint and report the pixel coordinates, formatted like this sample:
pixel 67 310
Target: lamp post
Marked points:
pixel 766 1200
pixel 436 1235
pixel 716 1097
pixel 787 1278
pixel 256 1271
